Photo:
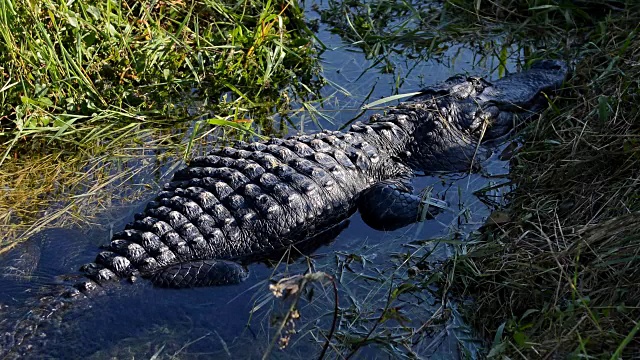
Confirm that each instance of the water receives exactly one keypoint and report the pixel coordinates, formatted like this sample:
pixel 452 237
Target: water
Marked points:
pixel 240 321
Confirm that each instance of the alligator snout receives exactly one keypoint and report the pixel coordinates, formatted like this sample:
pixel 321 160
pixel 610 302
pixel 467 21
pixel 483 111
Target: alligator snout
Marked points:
pixel 523 90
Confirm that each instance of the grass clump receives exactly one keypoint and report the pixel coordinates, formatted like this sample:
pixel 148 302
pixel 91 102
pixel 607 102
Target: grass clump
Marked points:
pixel 66 63
pixel 92 91
pixel 561 277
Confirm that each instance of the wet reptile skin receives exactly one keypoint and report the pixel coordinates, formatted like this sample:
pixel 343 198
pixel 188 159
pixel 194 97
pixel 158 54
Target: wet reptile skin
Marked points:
pixel 240 203
pixel 249 200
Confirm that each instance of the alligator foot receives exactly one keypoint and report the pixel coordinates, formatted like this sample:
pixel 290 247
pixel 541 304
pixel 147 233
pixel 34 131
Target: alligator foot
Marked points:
pixel 391 204
pixel 200 273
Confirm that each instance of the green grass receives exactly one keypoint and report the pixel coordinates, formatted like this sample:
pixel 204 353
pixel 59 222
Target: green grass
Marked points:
pixel 69 64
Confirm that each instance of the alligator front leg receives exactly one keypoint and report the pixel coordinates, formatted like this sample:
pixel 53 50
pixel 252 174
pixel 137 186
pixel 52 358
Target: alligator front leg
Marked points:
pixel 390 204
pixel 200 273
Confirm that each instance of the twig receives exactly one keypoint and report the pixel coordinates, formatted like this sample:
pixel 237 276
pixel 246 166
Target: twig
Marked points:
pixel 335 318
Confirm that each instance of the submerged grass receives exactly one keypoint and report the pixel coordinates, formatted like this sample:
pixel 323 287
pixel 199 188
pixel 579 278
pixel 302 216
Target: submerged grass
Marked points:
pixel 46 189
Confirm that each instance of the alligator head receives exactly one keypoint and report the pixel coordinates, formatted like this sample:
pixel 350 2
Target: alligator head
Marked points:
pixel 458 114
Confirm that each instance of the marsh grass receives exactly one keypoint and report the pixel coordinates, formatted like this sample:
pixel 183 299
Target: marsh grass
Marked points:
pixel 559 278
pixel 71 67
pixel 79 58
pixel 60 189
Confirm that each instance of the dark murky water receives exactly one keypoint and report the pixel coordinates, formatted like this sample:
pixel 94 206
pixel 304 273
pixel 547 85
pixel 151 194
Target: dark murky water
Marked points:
pixel 142 321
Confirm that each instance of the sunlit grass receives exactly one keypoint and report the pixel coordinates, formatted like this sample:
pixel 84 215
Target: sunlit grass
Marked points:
pixel 71 188
pixel 67 65
pixel 90 89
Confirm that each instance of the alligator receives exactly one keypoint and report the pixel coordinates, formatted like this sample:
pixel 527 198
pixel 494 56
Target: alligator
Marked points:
pixel 243 202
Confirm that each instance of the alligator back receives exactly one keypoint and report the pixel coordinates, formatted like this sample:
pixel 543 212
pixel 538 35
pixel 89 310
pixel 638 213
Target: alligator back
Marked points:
pixel 243 202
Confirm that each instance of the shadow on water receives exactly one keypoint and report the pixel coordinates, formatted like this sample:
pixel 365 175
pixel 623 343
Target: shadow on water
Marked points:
pixel 239 321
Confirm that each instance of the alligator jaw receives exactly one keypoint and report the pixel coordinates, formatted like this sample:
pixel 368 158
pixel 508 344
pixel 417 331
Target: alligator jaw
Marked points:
pixel 507 102
pixel 458 115
pixel 524 91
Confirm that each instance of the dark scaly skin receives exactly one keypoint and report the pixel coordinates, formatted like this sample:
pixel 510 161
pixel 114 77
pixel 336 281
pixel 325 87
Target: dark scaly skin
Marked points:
pixel 244 202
